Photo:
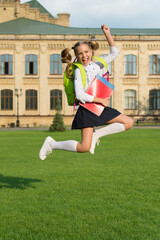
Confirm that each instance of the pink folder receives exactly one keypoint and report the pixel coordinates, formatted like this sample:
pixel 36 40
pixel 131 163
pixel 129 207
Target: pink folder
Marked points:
pixel 101 88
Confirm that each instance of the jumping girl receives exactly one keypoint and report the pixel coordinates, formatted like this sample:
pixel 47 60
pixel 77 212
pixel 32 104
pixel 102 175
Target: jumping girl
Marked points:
pixel 84 119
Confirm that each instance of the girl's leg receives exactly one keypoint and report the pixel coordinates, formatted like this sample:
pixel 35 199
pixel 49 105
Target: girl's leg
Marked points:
pixel 118 124
pixel 86 140
pixel 123 119
pixel 50 144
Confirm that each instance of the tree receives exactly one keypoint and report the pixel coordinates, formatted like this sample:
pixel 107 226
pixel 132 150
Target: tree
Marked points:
pixel 58 124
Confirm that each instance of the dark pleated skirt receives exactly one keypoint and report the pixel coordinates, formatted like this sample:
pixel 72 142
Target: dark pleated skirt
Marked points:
pixel 85 118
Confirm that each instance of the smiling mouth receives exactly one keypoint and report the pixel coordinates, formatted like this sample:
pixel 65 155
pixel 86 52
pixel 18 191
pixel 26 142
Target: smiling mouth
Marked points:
pixel 85 60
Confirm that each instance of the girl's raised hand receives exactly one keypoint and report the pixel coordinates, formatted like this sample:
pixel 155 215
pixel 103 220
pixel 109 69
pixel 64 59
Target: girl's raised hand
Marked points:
pixel 108 35
pixel 105 29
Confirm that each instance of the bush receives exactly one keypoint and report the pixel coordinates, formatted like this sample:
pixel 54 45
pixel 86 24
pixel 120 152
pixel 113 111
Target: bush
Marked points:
pixel 58 124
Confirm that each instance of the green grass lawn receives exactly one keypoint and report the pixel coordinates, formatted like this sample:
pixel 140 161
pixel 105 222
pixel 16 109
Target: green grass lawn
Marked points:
pixel 111 195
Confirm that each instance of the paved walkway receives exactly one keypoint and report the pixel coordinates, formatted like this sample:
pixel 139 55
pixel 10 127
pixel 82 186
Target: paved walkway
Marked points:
pixel 24 129
pixel 47 128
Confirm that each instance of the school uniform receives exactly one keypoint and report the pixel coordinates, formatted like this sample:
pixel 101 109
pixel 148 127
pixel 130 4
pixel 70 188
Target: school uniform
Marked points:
pixel 85 118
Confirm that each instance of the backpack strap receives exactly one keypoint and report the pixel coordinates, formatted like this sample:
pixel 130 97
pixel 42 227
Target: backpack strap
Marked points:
pixel 104 64
pixel 102 61
pixel 83 76
pixel 82 70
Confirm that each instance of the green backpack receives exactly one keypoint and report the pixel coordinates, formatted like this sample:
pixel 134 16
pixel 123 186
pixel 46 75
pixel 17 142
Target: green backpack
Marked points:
pixel 69 83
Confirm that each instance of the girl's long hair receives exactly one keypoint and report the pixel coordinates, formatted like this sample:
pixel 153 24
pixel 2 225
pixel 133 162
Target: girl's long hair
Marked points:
pixel 67 58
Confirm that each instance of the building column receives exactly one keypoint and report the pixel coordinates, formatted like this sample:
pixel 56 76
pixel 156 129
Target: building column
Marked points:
pixel 143 73
pixel 43 103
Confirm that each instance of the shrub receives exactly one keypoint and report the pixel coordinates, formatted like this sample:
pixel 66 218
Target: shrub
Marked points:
pixel 58 124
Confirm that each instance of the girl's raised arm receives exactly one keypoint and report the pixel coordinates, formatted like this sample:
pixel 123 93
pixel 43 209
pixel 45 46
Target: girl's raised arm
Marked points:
pixel 108 35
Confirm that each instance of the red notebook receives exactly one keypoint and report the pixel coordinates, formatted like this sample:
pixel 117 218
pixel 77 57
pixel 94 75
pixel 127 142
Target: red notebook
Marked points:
pixel 101 88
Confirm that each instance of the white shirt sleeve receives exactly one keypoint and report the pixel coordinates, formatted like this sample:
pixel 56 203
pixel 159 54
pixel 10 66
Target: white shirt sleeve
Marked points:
pixel 113 54
pixel 81 95
pixel 110 57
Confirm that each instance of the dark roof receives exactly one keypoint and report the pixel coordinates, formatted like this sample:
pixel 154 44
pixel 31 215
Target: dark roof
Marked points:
pixel 24 26
pixel 36 4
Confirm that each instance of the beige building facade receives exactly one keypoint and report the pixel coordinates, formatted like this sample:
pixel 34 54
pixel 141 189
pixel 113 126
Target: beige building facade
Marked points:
pixel 31 72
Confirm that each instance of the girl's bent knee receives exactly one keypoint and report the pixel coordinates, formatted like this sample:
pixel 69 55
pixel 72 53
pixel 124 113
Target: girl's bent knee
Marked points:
pixel 129 124
pixel 83 148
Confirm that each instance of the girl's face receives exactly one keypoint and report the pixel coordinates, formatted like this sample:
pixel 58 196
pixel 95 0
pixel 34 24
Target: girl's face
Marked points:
pixel 83 54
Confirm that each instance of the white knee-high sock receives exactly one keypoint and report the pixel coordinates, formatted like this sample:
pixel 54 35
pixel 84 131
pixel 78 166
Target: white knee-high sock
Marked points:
pixel 69 145
pixel 110 129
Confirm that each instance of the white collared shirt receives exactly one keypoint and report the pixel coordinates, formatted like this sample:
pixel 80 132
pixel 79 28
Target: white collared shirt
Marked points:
pixel 91 71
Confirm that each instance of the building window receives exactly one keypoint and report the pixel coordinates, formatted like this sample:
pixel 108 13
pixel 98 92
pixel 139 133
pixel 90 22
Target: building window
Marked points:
pixel 55 99
pixel 6 99
pixel 154 99
pixel 104 56
pixel 6 64
pixel 31 64
pixel 55 64
pixel 31 99
pixel 130 99
pixel 154 64
pixel 130 64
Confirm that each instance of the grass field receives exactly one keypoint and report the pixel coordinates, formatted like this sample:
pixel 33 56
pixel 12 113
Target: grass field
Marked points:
pixel 111 195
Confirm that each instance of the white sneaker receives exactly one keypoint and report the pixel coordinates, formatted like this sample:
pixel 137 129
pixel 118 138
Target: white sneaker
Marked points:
pixel 45 149
pixel 94 142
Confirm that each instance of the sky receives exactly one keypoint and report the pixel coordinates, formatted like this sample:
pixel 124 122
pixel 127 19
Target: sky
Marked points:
pixel 114 13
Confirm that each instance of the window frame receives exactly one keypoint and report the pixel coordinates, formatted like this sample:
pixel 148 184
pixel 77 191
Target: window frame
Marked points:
pixel 55 64
pixel 6 64
pixel 31 64
pixel 8 99
pixel 154 64
pixel 54 99
pixel 130 65
pixel 129 99
pixel 31 98
pixel 154 99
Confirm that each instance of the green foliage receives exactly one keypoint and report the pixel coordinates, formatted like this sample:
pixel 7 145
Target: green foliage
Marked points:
pixel 111 195
pixel 58 124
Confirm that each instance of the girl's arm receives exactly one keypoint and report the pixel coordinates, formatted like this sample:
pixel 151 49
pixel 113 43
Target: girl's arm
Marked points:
pixel 113 48
pixel 108 35
pixel 113 54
